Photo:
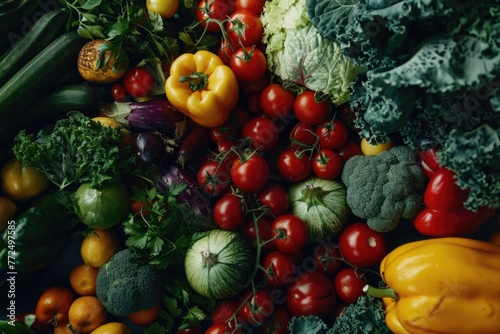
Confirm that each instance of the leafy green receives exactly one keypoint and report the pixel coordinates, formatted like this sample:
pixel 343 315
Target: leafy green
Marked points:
pixel 297 52
pixel 307 325
pixel 474 157
pixel 75 149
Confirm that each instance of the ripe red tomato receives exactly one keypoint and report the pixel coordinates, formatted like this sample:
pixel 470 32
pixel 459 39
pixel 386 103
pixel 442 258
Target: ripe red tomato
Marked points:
pixel 248 64
pixel 250 173
pixel 303 135
pixel 275 198
pixel 256 308
pixel 223 311
pixel 328 258
pixel 262 132
pixel 222 132
pixel 255 6
pixel 53 305
pixel 332 135
pixel 218 329
pixel 289 233
pixel 312 293
pixel 276 101
pixel 264 235
pixel 349 284
pixel 252 28
pixel 308 110
pixel 326 164
pixel 293 166
pixel 118 92
pixel 138 82
pixel 361 246
pixel 213 9
pixel 278 324
pixel 279 268
pixel 257 86
pixel 348 150
pixel 228 212
pixel 213 179
pixel 225 51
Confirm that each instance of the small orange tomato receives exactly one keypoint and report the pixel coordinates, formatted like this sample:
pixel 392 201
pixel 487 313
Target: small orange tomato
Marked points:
pixel 53 305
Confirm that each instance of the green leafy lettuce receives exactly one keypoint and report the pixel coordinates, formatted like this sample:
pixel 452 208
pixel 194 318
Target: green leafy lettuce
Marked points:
pixel 298 53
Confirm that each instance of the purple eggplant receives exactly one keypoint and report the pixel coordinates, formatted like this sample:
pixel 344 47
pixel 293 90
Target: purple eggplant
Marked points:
pixel 154 115
pixel 150 149
pixel 192 195
pixel 194 146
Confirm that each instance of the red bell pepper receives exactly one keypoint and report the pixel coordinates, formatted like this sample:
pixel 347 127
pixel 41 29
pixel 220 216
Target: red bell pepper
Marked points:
pixel 446 215
pixel 429 162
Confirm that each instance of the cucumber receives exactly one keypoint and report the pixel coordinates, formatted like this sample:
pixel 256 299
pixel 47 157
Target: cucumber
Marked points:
pixel 37 77
pixel 44 31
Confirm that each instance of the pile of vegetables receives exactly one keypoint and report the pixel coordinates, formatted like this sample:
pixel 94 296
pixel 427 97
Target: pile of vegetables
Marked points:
pixel 275 166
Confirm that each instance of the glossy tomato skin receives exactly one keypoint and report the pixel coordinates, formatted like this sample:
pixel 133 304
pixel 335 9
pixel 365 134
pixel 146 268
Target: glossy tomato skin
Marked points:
pixel 118 92
pixel 309 111
pixel 326 164
pixel 255 6
pixel 253 30
pixel 349 284
pixel 279 267
pixel 332 135
pixel 225 51
pixel 215 9
pixel 228 212
pixel 303 136
pixel 278 324
pixel 312 293
pixel 361 246
pixel 250 174
pixel 53 304
pixel 289 233
pixel 248 64
pixel 276 101
pixel 256 308
pixel 348 150
pixel 275 198
pixel 293 167
pixel 138 82
pixel 223 311
pixel 262 132
pixel 218 329
pixel 213 179
pixel 264 234
pixel 328 258
pixel 225 131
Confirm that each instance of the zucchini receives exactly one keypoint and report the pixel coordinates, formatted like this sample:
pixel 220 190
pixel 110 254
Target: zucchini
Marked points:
pixel 57 104
pixel 37 77
pixel 44 31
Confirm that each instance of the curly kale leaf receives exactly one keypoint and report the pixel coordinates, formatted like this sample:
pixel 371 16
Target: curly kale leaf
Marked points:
pixel 474 156
pixel 307 325
pixel 76 150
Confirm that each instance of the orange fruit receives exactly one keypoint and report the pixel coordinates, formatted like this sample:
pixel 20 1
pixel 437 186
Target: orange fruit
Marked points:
pixel 83 279
pixel 369 149
pixel 62 328
pixel 145 317
pixel 113 328
pixel 98 247
pixel 86 314
pixel 21 183
pixel 7 212
pixel 87 64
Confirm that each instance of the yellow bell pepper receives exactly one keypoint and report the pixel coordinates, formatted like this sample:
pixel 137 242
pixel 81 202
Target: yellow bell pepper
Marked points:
pixel 443 285
pixel 202 88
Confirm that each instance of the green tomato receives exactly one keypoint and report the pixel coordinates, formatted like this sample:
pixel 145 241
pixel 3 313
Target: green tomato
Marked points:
pixel 103 207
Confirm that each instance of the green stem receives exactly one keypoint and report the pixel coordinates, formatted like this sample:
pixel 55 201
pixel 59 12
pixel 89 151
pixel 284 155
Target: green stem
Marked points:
pixel 196 80
pixel 380 292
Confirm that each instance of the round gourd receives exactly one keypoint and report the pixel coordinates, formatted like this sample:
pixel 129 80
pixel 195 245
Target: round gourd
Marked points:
pixel 219 264
pixel 87 64
pixel 321 204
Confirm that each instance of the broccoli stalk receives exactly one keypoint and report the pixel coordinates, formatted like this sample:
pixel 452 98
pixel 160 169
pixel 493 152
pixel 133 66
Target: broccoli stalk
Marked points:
pixel 384 188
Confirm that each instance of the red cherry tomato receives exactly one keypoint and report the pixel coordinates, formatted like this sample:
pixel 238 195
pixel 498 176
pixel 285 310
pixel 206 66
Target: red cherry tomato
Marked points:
pixel 312 293
pixel 255 6
pixel 264 234
pixel 213 9
pixel 218 329
pixel 256 308
pixel 289 233
pixel 118 92
pixel 361 246
pixel 348 150
pixel 250 173
pixel 276 101
pixel 328 258
pixel 303 136
pixel 262 132
pixel 222 132
pixel 248 64
pixel 332 135
pixel 349 284
pixel 278 324
pixel 138 82
pixel 225 51
pixel 308 110
pixel 53 305
pixel 326 164
pixel 293 166
pixel 275 198
pixel 213 179
pixel 279 268
pixel 257 86
pixel 223 311
pixel 228 212
pixel 252 31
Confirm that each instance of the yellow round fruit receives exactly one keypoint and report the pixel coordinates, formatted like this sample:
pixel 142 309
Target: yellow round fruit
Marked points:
pixel 107 121
pixel 166 8
pixel 369 149
pixel 88 61
pixel 113 328
pixel 21 183
pixel 98 247
pixel 7 211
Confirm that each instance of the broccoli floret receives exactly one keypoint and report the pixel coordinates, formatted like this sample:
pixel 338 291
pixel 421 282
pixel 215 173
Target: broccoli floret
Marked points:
pixel 125 285
pixel 384 188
